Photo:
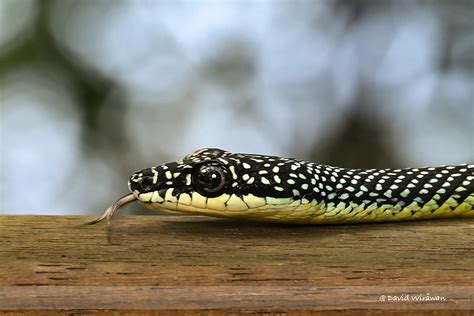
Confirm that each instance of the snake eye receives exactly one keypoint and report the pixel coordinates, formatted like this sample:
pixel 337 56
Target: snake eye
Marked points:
pixel 210 178
pixel 146 184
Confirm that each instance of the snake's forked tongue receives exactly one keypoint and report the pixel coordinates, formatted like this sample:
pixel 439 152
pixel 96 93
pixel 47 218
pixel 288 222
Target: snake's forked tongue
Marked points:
pixel 124 200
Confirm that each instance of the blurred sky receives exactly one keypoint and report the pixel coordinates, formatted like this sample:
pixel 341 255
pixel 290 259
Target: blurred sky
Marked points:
pixel 92 91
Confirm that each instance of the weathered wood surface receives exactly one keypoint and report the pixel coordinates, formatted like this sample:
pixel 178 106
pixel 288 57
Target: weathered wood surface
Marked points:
pixel 163 263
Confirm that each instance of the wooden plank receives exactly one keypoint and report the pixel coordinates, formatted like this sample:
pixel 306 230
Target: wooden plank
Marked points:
pixel 161 263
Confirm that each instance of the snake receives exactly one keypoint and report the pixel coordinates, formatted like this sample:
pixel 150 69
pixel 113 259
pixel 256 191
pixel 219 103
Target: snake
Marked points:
pixel 218 183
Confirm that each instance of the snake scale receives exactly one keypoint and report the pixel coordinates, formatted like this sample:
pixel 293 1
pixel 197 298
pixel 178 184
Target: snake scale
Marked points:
pixel 218 183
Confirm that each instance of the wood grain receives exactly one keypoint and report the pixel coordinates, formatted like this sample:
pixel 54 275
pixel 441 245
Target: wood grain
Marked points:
pixel 146 264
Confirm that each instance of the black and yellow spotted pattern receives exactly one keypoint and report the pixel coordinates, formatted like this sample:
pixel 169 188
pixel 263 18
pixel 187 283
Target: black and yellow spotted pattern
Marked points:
pixel 215 182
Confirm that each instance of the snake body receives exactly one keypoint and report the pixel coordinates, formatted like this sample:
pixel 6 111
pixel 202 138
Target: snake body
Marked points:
pixel 214 182
pixel 218 183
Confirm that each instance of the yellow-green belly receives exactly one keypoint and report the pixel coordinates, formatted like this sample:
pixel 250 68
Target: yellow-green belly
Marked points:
pixel 306 212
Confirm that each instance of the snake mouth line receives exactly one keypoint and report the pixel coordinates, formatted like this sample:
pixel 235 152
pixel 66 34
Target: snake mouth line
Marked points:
pixel 124 200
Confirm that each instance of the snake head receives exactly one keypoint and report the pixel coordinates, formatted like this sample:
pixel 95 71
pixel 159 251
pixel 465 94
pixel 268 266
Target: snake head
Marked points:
pixel 199 175
pixel 198 171
pixel 215 182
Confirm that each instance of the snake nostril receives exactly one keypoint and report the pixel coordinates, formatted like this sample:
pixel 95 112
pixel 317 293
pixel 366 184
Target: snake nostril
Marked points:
pixel 134 186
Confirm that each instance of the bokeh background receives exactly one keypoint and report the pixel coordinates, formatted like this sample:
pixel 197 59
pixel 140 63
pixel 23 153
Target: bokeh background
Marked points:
pixel 92 91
